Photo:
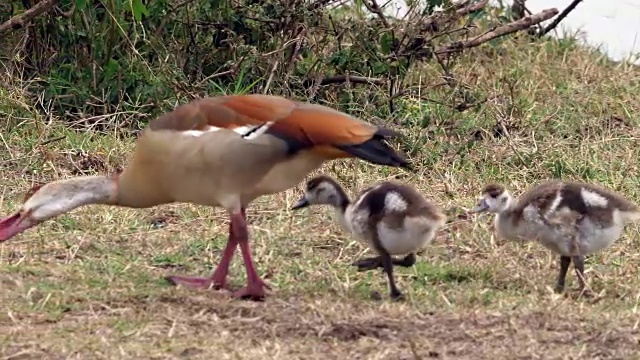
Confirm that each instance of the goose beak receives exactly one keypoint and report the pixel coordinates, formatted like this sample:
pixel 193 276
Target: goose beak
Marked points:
pixel 480 207
pixel 13 225
pixel 302 203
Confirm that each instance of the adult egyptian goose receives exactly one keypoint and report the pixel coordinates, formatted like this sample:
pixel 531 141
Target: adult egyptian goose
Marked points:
pixel 573 219
pixel 392 218
pixel 219 151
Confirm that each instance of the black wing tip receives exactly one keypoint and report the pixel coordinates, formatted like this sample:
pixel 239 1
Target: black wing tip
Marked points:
pixel 388 134
pixel 376 151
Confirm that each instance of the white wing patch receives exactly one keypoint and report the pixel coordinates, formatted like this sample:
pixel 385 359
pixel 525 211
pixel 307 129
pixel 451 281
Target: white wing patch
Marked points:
pixel 243 130
pixel 252 132
pixel 395 202
pixel 555 203
pixel 592 198
pixel 197 133
pixel 248 132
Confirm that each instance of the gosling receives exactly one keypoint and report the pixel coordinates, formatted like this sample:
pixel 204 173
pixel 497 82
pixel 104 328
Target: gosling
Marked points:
pixel 572 219
pixel 390 217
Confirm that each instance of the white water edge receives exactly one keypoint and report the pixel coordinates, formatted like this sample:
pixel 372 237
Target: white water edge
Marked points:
pixel 612 25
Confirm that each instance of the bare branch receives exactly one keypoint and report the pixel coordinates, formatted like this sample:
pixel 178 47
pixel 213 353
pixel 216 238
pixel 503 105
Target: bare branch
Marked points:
pixel 51 140
pixel 21 20
pixel 66 14
pixel 560 17
pixel 339 79
pixel 272 73
pixel 471 7
pixel 433 24
pixel 499 31
pixel 375 8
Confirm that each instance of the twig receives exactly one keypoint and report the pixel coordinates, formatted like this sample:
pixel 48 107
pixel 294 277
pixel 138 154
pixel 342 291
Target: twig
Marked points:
pixel 66 14
pixel 339 79
pixel 21 20
pixel 519 10
pixel 560 17
pixel 468 99
pixel 412 88
pixel 464 10
pixel 374 8
pixel 510 142
pixel 433 24
pixel 503 30
pixel 216 75
pixel 295 52
pixel 7 146
pixel 49 141
pixel 271 75
pixel 314 86
pixel 173 11
pixel 283 48
pixel 461 10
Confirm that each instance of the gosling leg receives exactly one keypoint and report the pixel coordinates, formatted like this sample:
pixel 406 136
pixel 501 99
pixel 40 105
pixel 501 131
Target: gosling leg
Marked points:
pixel 375 262
pixel 565 261
pixel 387 263
pixel 578 264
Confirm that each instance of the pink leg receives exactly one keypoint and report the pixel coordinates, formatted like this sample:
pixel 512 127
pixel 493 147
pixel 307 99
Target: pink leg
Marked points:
pixel 255 289
pixel 218 279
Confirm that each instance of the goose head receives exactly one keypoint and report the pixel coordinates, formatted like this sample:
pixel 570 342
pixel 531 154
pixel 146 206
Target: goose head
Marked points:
pixel 44 202
pixel 322 190
pixel 494 199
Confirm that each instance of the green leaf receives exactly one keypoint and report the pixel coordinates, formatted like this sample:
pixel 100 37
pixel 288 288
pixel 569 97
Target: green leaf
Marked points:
pixel 379 68
pixel 215 4
pixel 138 9
pixel 110 69
pixel 81 4
pixel 386 42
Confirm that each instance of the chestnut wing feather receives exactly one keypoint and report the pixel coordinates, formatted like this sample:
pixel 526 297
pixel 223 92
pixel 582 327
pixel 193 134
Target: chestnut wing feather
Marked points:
pixel 302 125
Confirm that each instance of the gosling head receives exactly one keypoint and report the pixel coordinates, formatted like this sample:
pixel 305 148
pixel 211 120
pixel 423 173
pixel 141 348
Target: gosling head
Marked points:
pixel 44 202
pixel 494 199
pixel 322 190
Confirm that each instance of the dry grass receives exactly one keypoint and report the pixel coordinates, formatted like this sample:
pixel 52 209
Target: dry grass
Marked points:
pixel 89 285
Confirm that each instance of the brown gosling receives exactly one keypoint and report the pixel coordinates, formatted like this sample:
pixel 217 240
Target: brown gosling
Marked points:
pixel 572 219
pixel 390 217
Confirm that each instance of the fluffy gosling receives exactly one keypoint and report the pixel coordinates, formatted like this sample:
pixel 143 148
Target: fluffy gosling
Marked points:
pixel 572 219
pixel 390 217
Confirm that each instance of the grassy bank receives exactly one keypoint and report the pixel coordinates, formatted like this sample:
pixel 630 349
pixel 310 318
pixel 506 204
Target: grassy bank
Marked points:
pixel 90 284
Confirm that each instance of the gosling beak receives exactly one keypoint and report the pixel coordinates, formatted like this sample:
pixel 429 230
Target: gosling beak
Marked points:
pixel 13 225
pixel 302 203
pixel 480 207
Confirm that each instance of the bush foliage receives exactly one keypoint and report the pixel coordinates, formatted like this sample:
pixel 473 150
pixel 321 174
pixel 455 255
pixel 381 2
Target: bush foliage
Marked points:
pixel 85 59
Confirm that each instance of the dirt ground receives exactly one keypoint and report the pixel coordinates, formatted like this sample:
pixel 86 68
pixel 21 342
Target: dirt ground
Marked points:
pixel 205 327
